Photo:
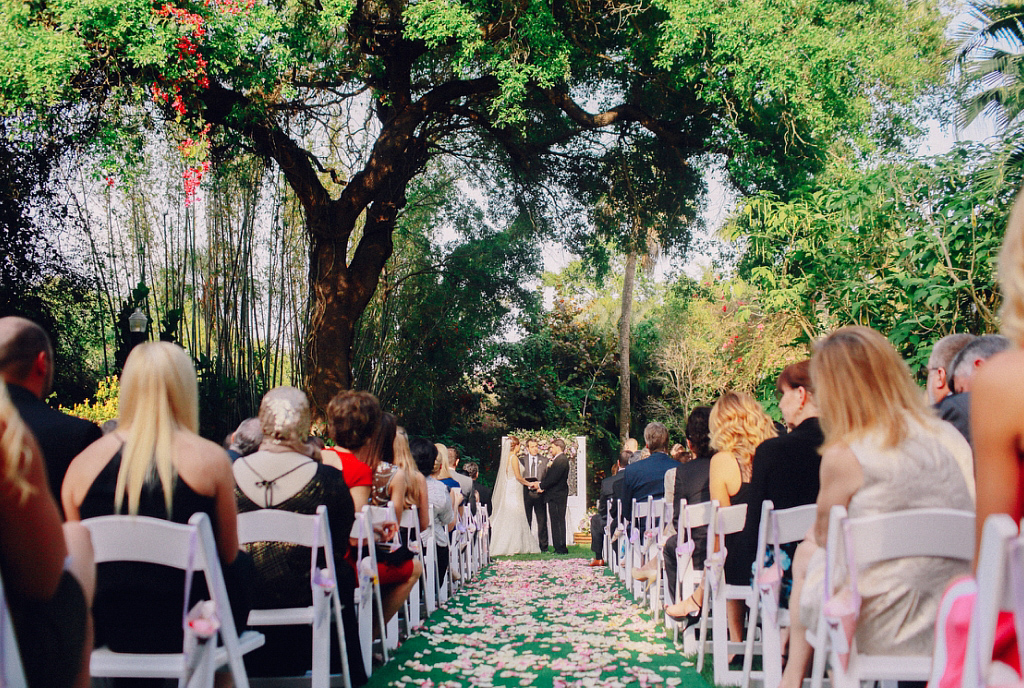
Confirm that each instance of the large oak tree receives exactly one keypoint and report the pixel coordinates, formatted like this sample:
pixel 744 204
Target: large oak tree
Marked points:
pixel 528 91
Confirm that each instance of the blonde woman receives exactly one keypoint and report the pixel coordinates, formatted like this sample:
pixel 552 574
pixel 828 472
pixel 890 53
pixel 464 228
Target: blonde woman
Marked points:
pixel 48 599
pixel 997 404
pixel 415 482
pixel 155 465
pixel 884 451
pixel 444 474
pixel 737 424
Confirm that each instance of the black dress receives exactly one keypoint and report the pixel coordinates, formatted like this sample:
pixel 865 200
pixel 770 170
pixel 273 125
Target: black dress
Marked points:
pixel 737 569
pixel 137 607
pixel 282 580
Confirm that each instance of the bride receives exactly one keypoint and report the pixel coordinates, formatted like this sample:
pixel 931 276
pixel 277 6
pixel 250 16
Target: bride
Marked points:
pixel 510 531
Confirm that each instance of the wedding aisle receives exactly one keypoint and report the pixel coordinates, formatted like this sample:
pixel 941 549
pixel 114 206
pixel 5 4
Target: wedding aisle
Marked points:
pixel 546 622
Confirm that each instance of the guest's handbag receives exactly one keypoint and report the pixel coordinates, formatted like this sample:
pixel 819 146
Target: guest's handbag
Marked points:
pixel 770 580
pixel 842 609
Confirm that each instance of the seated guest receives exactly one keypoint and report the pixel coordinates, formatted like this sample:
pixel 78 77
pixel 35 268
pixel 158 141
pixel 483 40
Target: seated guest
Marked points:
pixel 956 407
pixel 737 424
pixel 280 475
pixel 427 460
pixel 445 475
pixel 464 481
pixel 398 568
pixel 245 439
pixel 599 521
pixel 48 601
pixel 156 465
pixel 646 478
pixel 415 482
pixel 26 365
pixel 690 481
pixel 481 493
pixel 884 452
pixel 785 468
pixel 352 418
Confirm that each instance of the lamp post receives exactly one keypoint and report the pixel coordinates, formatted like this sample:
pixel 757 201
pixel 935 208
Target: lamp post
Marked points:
pixel 137 326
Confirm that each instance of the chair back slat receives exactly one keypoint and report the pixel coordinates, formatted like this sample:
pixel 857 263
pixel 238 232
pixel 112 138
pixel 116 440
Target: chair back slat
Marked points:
pixel 731 519
pixel 913 533
pixel 793 523
pixel 153 541
pixel 699 514
pixel 275 525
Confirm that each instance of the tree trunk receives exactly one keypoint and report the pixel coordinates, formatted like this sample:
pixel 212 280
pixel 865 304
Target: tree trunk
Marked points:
pixel 625 330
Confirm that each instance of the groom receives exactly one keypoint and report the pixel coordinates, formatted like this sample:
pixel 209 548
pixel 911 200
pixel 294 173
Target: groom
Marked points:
pixel 534 465
pixel 554 487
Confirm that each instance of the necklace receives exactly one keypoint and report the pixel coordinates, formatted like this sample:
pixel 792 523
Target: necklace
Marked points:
pixel 268 485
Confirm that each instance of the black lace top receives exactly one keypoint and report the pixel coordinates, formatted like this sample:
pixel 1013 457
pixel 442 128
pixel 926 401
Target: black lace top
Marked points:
pixel 282 571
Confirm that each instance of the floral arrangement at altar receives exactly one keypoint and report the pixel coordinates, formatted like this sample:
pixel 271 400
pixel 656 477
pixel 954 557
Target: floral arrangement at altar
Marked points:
pixel 545 438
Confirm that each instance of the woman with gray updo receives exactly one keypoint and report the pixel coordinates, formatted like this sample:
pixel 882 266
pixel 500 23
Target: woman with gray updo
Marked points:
pixel 281 475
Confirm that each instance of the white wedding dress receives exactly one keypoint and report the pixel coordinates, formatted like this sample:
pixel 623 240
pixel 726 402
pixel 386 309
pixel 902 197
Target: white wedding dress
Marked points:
pixel 510 531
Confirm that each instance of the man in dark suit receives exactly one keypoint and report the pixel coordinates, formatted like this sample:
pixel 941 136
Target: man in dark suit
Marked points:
pixel 481 493
pixel 554 488
pixel 600 520
pixel 646 478
pixel 534 465
pixel 26 366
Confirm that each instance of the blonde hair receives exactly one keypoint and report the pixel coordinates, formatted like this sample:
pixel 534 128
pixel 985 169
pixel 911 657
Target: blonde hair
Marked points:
pixel 862 386
pixel 738 424
pixel 1011 274
pixel 159 396
pixel 442 454
pixel 404 461
pixel 16 447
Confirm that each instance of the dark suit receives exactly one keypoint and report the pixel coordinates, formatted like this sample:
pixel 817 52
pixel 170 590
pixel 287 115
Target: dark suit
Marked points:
pixel 61 437
pixel 599 521
pixel 786 470
pixel 956 409
pixel 485 496
pixel 555 484
pixel 534 501
pixel 691 484
pixel 643 479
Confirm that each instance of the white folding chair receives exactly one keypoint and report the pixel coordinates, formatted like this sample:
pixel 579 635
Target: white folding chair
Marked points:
pixel 945 533
pixel 653 541
pixel 155 541
pixel 620 541
pixel 411 524
pixel 484 533
pixel 995 593
pixel 687 577
pixel 11 671
pixel 637 530
pixel 608 548
pixel 368 591
pixel 778 527
pixel 378 516
pixel 313 531
pixel 727 520
pixel 428 549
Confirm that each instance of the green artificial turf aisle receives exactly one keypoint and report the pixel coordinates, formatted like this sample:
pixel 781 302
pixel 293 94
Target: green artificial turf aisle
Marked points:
pixel 540 622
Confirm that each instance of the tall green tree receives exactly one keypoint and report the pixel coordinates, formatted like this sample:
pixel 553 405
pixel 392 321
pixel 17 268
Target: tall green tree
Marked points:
pixel 906 248
pixel 517 92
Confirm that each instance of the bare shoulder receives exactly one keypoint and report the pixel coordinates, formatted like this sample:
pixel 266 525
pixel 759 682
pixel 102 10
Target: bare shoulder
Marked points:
pixel 91 460
pixel 723 461
pixel 203 464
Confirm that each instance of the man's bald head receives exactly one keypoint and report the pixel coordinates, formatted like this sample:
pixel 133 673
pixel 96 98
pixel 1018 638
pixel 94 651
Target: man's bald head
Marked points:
pixel 21 343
